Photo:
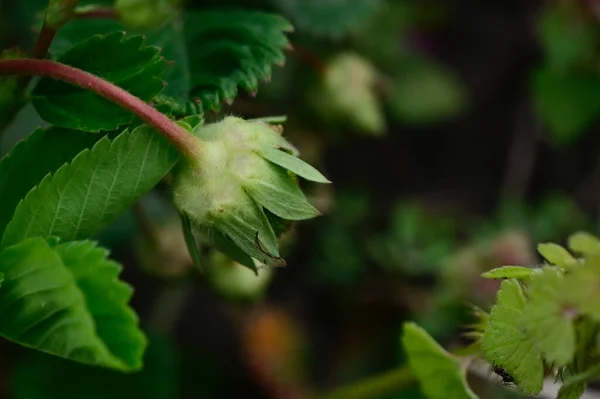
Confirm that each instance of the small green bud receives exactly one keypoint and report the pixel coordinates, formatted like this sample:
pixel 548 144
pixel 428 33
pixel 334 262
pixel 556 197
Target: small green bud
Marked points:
pixel 348 94
pixel 236 282
pixel 241 169
pixel 140 14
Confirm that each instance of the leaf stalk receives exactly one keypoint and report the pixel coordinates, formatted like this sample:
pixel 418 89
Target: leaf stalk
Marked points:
pixel 374 387
pixel 177 135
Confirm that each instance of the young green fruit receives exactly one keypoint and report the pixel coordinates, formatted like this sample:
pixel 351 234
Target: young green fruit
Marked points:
pixel 240 168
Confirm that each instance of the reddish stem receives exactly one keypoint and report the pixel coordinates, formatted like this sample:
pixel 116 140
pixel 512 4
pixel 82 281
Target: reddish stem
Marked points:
pixel 309 58
pixel 178 136
pixel 44 41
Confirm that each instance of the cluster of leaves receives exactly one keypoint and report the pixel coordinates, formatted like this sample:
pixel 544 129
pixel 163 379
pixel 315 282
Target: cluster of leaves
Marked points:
pixel 564 86
pixel 60 292
pixel 546 318
pixel 545 323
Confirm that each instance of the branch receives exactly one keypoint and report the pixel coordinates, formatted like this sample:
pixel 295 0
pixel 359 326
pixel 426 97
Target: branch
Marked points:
pixel 374 387
pixel 177 135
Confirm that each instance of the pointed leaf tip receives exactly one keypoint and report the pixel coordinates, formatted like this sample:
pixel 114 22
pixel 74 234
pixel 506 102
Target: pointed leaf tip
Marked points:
pixel 293 164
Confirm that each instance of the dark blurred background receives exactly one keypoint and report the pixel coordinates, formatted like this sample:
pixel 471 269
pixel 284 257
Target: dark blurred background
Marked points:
pixel 458 134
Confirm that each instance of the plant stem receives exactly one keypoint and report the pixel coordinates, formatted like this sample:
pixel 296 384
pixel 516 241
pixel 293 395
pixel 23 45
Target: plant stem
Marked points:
pixel 177 135
pixel 374 387
pixel 309 58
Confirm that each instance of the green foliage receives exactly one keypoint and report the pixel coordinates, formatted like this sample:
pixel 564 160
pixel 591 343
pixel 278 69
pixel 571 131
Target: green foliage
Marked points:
pixel 566 102
pixel 547 320
pixel 65 184
pixel 564 86
pixel 42 376
pixel 506 345
pixel 293 164
pixel 83 196
pixel 509 272
pixel 566 35
pixel 328 18
pixel 66 300
pixel 238 48
pixel 556 255
pixel 122 61
pixel 170 38
pixel 584 243
pixel 417 242
pixel 439 374
pixel 51 148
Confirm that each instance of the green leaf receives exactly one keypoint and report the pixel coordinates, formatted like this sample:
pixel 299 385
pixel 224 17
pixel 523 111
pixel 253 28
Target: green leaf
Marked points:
pixel 280 194
pixel 293 164
pixel 122 61
pixel 50 149
pixel 68 301
pixel 440 375
pixel 80 30
pixel 572 392
pixel 248 227
pixel 547 318
pixel 580 293
pixel 566 36
pixel 518 272
pixel 230 49
pixel 584 243
pixel 506 345
pixel 84 196
pixel 556 255
pixel 49 377
pixel 328 18
pixel 567 102
pixel 171 39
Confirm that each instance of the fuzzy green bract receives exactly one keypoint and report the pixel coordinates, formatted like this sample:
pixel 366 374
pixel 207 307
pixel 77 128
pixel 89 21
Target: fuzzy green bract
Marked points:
pixel 83 196
pixel 228 49
pixel 241 168
pixel 440 375
pixel 70 304
pixel 125 62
